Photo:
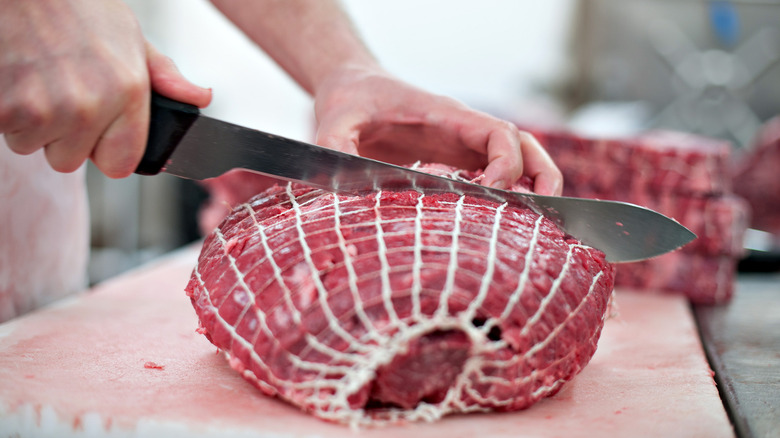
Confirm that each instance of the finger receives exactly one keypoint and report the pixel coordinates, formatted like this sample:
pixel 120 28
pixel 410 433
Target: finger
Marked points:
pixel 549 182
pixel 121 146
pixel 63 157
pixel 68 153
pixel 496 140
pixel 547 178
pixel 25 142
pixel 166 79
pixel 505 158
pixel 83 116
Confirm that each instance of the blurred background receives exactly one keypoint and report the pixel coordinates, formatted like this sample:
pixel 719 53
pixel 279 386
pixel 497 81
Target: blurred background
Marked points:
pixel 606 67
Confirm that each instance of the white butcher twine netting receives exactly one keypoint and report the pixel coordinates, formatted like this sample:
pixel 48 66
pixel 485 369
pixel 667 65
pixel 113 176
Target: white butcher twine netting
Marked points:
pixel 399 305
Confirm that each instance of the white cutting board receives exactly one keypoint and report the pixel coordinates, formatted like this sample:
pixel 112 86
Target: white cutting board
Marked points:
pixel 85 368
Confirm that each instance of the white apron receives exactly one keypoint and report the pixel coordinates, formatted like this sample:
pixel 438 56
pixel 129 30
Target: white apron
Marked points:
pixel 44 232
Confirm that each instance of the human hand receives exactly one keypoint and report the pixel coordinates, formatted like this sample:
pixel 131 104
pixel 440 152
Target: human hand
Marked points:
pixel 370 113
pixel 76 79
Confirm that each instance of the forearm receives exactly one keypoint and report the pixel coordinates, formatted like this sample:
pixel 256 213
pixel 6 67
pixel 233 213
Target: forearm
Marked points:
pixel 310 39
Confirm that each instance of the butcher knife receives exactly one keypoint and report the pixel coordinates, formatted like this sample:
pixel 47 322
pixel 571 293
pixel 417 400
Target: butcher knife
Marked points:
pixel 185 143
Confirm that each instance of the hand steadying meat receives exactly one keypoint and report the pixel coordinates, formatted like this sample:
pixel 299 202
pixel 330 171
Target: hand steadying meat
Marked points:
pixel 369 112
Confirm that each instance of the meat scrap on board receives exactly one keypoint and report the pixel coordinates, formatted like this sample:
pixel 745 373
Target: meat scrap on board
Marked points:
pixel 399 306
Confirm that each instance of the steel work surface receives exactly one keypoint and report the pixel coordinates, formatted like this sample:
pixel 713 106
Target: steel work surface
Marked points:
pixel 123 360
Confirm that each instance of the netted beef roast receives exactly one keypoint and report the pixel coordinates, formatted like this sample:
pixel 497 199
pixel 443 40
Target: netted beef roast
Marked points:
pixel 398 305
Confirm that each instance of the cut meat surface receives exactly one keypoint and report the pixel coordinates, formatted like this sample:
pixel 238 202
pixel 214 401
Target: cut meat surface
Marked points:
pixel 398 305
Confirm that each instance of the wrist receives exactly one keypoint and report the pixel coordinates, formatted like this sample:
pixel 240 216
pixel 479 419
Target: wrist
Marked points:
pixel 347 72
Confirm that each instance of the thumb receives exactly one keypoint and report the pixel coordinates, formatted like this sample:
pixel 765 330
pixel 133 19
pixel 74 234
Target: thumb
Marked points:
pixel 166 79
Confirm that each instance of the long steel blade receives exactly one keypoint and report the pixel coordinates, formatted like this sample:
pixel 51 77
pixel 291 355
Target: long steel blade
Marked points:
pixel 625 232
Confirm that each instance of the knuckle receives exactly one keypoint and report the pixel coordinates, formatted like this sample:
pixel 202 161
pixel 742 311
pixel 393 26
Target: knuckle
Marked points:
pixel 85 114
pixel 13 112
pixel 80 109
pixel 32 113
pixel 505 126
pixel 133 85
pixel 526 137
pixel 120 84
pixel 509 126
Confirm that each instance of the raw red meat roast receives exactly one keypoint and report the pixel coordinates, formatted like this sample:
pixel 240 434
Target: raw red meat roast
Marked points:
pixel 397 305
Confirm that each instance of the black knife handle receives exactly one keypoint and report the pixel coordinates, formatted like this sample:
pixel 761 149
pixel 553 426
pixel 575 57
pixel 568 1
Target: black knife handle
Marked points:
pixel 168 122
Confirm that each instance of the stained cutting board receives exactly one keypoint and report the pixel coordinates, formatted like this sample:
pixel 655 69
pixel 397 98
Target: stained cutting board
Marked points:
pixel 123 360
